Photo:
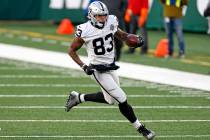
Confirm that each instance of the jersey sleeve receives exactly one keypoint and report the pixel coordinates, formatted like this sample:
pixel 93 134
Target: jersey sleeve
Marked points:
pixel 115 22
pixel 81 31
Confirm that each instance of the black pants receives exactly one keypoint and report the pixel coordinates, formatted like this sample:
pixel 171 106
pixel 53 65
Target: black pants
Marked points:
pixel 118 47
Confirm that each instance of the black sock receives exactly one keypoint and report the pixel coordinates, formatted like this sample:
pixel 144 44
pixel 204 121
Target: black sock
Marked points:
pixel 127 111
pixel 95 97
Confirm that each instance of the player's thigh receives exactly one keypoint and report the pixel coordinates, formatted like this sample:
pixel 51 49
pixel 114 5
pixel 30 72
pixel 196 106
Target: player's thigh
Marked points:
pixel 105 80
pixel 115 77
pixel 108 84
pixel 109 99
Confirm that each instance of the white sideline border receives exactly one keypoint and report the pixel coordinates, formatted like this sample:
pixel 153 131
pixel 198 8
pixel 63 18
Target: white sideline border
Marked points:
pixel 128 70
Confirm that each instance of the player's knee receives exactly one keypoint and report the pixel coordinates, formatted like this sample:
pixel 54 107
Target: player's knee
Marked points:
pixel 119 100
pixel 111 102
pixel 123 100
pixel 125 103
pixel 120 97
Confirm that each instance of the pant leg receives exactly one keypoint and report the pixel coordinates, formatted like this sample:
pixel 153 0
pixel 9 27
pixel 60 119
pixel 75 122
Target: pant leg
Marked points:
pixel 180 36
pixel 133 29
pixel 169 27
pixel 208 32
pixel 115 77
pixel 109 82
pixel 118 42
pixel 118 47
pixel 127 27
pixel 110 88
pixel 144 48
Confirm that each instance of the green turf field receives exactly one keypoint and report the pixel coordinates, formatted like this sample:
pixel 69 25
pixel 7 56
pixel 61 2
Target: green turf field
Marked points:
pixel 32 99
pixel 43 36
pixel 32 96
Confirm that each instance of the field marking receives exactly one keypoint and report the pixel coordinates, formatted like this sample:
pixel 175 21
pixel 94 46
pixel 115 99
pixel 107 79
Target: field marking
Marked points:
pixel 130 96
pixel 35 34
pixel 14 68
pixel 48 85
pixel 63 85
pixel 51 41
pixel 105 121
pixel 107 136
pixel 105 107
pixel 36 76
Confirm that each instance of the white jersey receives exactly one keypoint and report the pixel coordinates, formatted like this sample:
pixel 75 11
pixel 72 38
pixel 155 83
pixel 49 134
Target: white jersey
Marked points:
pixel 99 43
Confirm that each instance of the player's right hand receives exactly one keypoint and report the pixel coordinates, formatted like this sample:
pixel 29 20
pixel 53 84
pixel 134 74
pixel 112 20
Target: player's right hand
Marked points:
pixel 88 70
pixel 140 41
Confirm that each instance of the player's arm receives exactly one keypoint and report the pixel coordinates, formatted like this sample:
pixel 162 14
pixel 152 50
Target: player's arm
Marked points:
pixel 120 34
pixel 76 45
pixel 130 39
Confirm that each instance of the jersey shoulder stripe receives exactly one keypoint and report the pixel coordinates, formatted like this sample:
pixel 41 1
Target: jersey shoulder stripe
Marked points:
pixel 113 19
pixel 82 29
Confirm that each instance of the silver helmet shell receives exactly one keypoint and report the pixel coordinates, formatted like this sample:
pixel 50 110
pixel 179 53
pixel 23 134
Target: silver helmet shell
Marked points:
pixel 97 8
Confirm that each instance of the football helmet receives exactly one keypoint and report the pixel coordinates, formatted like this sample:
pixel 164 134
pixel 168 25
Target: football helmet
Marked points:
pixel 94 9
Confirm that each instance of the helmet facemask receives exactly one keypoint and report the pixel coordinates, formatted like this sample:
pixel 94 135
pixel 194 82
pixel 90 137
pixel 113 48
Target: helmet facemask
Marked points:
pixel 97 9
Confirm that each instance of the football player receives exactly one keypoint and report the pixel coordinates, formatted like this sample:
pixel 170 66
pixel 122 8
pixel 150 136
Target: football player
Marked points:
pixel 96 35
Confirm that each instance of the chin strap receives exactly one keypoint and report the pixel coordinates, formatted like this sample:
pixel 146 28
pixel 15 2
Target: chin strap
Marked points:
pixel 97 26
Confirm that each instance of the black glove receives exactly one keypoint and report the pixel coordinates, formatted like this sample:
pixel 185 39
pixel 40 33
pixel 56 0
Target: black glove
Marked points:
pixel 88 70
pixel 140 42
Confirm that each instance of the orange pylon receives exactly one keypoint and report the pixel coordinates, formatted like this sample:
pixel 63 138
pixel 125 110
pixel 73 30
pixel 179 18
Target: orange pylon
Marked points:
pixel 65 27
pixel 162 48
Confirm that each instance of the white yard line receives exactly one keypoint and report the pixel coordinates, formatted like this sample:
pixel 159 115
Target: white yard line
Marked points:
pixel 133 71
pixel 106 121
pixel 105 107
pixel 48 85
pixel 36 76
pixel 168 96
pixel 14 68
pixel 62 85
pixel 126 85
pixel 106 136
pixel 131 96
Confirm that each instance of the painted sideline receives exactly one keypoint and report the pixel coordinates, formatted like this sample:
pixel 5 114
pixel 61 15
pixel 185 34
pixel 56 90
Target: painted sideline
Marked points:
pixel 128 70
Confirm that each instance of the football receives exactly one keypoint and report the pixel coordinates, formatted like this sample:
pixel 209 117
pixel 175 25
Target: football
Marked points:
pixel 132 40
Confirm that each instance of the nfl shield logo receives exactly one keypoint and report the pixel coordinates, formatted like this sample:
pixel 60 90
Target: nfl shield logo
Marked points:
pixel 112 27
